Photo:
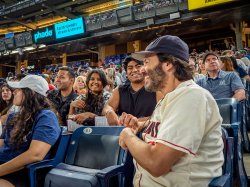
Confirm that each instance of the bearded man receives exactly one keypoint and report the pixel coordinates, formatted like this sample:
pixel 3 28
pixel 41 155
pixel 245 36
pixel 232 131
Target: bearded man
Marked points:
pixel 181 143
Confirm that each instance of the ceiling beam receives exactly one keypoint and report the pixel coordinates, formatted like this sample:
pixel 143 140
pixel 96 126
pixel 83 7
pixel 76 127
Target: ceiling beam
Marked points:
pixel 57 7
pixel 59 12
pixel 30 26
pixel 92 3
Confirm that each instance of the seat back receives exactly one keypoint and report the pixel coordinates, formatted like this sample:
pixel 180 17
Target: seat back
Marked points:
pixel 95 147
pixel 97 151
pixel 228 110
pixel 228 151
pixel 226 180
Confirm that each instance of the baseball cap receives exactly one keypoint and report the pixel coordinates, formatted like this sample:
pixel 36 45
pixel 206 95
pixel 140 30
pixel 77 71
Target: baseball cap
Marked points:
pixel 207 54
pixel 171 45
pixel 33 82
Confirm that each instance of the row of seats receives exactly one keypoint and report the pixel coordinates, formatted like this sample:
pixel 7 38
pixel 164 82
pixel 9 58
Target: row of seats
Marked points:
pixel 234 121
pixel 89 157
pixel 92 157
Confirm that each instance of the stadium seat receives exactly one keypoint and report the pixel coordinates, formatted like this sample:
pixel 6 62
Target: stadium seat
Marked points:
pixel 230 111
pixel 244 127
pixel 94 158
pixel 56 155
pixel 226 180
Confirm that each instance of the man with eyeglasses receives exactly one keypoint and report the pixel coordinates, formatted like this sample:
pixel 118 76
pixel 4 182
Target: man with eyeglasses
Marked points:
pixel 131 98
pixel 219 83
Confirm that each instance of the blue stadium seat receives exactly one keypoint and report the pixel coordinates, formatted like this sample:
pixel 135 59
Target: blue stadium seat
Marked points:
pixel 94 158
pixel 226 180
pixel 244 125
pixel 56 155
pixel 230 111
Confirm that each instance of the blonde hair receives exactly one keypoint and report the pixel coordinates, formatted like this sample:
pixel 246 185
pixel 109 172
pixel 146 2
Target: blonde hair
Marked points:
pixel 75 86
pixel 110 72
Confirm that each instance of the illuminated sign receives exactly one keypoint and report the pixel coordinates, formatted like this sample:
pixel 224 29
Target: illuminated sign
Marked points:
pixel 60 32
pixel 44 36
pixel 8 35
pixel 69 28
pixel 195 4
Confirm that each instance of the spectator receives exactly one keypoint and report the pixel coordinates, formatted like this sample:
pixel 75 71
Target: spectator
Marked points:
pixel 240 71
pixel 47 78
pixel 181 146
pixel 10 76
pixel 196 76
pixel 226 64
pixel 112 75
pixel 6 102
pixel 110 85
pixel 87 106
pixel 221 84
pixel 131 97
pixel 29 134
pixel 62 97
pixel 243 57
pixel 2 81
pixel 80 86
pixel 202 69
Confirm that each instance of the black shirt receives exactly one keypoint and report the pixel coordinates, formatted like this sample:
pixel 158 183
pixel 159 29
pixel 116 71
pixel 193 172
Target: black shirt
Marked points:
pixel 139 104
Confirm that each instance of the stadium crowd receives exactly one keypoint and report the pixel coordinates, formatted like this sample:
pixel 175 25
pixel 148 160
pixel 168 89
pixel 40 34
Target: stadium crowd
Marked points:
pixel 152 92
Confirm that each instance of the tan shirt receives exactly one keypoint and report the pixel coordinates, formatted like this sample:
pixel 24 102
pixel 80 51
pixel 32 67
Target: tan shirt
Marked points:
pixel 187 119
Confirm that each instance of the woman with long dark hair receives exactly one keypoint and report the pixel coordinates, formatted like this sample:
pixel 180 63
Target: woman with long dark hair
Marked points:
pixel 5 101
pixel 86 106
pixel 28 134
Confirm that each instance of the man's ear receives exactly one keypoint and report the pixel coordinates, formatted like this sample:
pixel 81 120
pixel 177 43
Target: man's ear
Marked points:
pixel 167 67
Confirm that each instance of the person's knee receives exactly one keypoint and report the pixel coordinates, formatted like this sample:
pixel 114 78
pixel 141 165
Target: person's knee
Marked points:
pixel 5 183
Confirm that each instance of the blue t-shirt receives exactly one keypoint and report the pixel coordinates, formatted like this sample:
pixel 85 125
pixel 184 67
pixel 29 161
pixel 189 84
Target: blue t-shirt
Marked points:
pixel 45 129
pixel 223 86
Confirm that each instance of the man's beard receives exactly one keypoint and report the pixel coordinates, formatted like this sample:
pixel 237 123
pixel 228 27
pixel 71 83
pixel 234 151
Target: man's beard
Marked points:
pixel 156 77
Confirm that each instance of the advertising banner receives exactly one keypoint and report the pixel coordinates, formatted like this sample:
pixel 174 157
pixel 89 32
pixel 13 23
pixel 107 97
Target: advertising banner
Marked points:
pixel 196 4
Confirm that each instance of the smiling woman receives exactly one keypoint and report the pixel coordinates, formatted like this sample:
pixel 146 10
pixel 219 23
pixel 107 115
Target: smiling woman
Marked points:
pixel 87 106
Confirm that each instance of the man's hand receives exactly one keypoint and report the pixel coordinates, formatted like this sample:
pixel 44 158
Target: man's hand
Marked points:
pixel 78 104
pixel 130 121
pixel 124 136
pixel 112 118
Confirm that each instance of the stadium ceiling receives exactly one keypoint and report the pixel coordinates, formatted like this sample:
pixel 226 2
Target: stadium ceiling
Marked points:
pixel 19 16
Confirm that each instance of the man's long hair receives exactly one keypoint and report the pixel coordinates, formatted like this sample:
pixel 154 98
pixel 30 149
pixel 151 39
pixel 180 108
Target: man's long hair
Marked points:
pixel 183 71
